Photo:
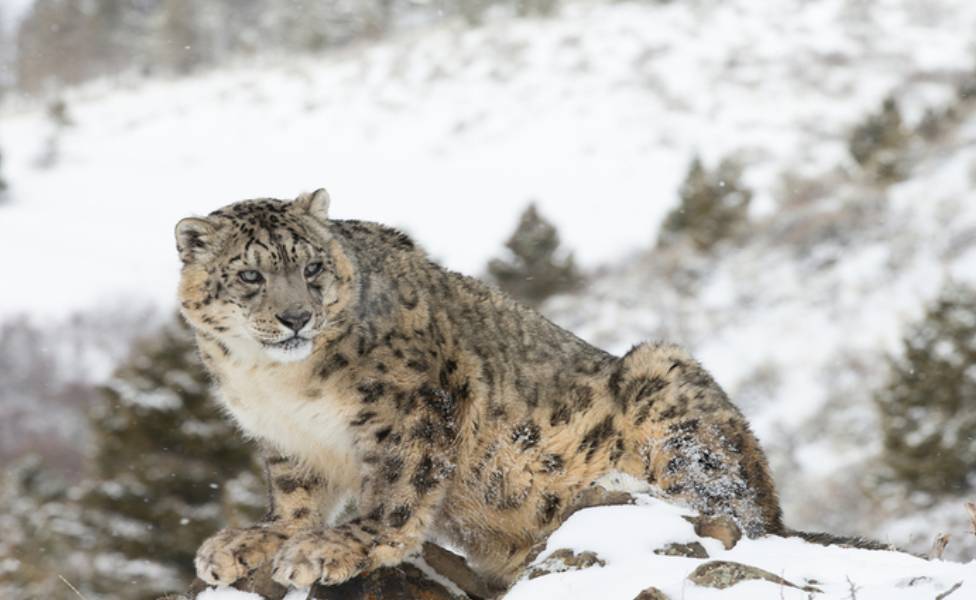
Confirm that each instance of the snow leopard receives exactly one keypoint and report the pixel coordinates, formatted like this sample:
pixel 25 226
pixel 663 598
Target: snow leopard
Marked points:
pixel 396 402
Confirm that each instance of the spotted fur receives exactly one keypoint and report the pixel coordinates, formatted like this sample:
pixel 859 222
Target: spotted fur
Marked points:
pixel 440 406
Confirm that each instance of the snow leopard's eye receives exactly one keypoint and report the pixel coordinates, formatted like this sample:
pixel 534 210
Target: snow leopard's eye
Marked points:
pixel 312 269
pixel 250 276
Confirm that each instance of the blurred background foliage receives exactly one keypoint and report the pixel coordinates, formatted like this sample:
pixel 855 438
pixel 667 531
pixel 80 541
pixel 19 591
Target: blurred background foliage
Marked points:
pixel 928 411
pixel 71 41
pixel 164 469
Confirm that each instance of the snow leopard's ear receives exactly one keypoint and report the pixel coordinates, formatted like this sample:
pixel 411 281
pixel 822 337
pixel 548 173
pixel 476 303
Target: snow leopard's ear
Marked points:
pixel 195 239
pixel 315 204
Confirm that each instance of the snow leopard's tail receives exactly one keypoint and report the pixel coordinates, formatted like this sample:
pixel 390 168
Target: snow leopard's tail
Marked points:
pixel 829 539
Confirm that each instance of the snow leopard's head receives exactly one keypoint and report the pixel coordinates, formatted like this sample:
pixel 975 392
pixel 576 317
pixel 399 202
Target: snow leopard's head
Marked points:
pixel 264 277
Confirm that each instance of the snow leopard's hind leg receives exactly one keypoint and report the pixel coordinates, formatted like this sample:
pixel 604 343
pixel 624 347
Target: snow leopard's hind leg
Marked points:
pixel 687 438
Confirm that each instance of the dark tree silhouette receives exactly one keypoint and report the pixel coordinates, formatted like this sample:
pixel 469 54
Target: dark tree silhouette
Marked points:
pixel 535 270
pixel 714 204
pixel 170 469
pixel 928 407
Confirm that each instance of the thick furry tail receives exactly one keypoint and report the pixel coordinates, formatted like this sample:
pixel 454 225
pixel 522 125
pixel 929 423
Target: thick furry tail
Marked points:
pixel 829 539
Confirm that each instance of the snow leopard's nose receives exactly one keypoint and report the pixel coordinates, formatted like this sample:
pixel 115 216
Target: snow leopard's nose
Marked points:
pixel 294 319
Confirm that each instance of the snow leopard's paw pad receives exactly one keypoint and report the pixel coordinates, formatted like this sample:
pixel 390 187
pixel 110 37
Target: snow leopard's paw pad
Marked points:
pixel 232 554
pixel 327 557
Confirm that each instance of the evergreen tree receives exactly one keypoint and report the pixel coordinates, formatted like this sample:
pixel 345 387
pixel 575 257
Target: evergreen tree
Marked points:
pixel 536 7
pixel 472 11
pixel 928 407
pixel 6 54
pixel 877 143
pixel 170 468
pixel 43 536
pixel 534 271
pixel 3 182
pixel 966 88
pixel 714 205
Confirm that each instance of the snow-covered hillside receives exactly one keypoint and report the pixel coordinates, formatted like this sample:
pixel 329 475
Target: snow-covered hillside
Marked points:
pixel 448 132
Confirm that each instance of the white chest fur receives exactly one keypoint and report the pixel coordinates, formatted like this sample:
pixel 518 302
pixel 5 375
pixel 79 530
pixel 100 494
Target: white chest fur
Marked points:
pixel 283 405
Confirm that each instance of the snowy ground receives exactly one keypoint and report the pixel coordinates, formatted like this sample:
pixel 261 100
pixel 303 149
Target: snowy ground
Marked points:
pixel 625 538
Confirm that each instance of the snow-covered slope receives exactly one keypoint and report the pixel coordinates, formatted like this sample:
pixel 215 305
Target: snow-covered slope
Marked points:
pixel 448 132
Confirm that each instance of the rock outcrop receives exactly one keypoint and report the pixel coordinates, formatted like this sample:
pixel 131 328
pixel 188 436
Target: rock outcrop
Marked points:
pixel 619 546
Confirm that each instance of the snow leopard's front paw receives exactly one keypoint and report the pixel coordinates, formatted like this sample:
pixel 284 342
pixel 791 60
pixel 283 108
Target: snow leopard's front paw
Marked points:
pixel 232 554
pixel 329 556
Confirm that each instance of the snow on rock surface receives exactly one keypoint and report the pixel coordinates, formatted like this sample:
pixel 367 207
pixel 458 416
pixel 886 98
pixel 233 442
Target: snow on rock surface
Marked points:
pixel 627 536
pixel 624 539
pixel 232 594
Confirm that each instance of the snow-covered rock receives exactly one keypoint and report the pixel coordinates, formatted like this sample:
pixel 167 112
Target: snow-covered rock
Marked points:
pixel 627 538
pixel 615 553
